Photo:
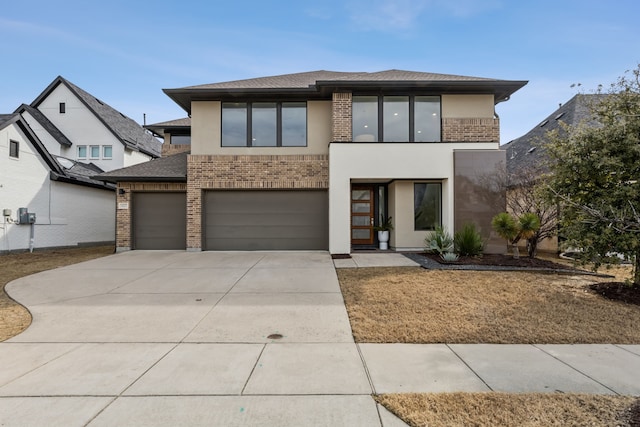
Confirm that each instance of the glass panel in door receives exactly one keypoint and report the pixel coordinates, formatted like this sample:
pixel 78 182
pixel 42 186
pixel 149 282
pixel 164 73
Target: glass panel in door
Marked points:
pixel 362 210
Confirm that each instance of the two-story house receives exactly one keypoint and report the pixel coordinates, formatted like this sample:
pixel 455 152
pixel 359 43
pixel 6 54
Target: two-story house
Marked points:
pixel 94 131
pixel 315 160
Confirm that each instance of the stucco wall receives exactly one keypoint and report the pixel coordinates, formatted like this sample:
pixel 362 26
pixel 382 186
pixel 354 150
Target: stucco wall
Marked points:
pixel 206 132
pixel 467 106
pixel 382 162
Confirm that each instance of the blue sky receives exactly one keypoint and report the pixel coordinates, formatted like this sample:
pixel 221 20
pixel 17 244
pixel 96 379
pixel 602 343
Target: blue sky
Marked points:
pixel 126 52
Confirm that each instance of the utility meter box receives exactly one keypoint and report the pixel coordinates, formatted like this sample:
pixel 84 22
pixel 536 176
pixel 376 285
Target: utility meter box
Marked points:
pixel 24 217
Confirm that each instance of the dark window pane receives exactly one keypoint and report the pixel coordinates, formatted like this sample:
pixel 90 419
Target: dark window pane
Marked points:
pixel 294 124
pixel 234 124
pixel 427 205
pixel 14 149
pixel 365 118
pixel 263 124
pixel 427 119
pixel 395 118
pixel 180 139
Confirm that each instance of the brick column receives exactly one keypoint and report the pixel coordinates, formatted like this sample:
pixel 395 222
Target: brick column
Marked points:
pixel 194 203
pixel 341 117
pixel 123 218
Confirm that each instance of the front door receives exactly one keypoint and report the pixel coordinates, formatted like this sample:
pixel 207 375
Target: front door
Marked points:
pixel 362 215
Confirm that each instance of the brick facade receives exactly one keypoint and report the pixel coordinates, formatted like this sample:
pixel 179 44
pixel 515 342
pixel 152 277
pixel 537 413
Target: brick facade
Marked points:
pixel 341 117
pixel 259 172
pixel 123 216
pixel 470 130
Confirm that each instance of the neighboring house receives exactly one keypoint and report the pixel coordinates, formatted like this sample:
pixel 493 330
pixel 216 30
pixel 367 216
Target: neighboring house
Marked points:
pixel 176 135
pixel 87 129
pixel 526 155
pixel 70 208
pixel 314 161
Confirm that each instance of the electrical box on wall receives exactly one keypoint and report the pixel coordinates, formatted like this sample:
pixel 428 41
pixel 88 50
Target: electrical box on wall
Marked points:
pixel 25 217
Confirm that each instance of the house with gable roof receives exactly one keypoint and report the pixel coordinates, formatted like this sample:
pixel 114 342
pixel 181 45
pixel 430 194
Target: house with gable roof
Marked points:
pixel 318 160
pixel 92 131
pixel 49 150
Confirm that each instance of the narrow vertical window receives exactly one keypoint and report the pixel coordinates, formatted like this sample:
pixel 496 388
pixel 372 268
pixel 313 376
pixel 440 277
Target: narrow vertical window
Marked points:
pixel 294 124
pixel 427 119
pixel 365 118
pixel 264 131
pixel 63 108
pixel 395 118
pixel 82 151
pixel 14 149
pixel 427 205
pixel 234 124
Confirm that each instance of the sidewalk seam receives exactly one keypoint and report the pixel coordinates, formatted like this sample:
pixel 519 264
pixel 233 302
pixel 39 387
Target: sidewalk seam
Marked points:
pixel 470 368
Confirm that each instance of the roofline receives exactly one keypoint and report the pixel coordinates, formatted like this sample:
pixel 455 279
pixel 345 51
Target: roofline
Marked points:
pixel 502 89
pixel 25 108
pixel 61 80
pixel 86 183
pixel 116 179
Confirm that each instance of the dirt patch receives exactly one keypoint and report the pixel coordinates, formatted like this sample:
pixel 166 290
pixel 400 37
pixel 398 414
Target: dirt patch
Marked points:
pixel 618 291
pixel 501 409
pixel 414 305
pixel 14 318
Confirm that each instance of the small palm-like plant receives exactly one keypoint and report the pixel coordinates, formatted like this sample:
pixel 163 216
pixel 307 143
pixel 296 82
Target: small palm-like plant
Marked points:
pixel 468 241
pixel 513 230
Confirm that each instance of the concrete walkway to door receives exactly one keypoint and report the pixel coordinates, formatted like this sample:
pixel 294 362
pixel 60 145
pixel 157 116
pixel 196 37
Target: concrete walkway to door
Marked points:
pixel 170 338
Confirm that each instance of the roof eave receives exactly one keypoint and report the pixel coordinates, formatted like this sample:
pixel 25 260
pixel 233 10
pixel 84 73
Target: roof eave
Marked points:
pixel 116 179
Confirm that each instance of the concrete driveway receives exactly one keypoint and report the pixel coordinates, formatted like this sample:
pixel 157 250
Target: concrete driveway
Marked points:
pixel 176 338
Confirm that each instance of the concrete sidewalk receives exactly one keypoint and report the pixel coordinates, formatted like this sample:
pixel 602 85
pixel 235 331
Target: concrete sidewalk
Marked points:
pixel 236 339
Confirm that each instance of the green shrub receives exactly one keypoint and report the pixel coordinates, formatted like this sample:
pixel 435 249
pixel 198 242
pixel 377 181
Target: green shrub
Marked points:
pixel 449 257
pixel 468 241
pixel 439 241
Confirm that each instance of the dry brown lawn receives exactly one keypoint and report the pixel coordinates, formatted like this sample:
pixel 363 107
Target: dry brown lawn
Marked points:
pixel 507 410
pixel 14 318
pixel 414 305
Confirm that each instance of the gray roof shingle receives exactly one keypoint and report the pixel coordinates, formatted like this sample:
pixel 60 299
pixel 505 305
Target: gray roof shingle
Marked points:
pixel 130 133
pixel 171 168
pixel 46 124
pixel 320 83
pixel 528 151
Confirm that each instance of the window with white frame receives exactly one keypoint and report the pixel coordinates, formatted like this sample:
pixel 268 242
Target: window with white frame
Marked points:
pixel 396 118
pixel 94 152
pixel 107 151
pixel 82 151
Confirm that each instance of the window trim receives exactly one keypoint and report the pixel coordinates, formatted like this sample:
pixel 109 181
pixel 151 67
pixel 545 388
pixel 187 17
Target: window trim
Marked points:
pixel 91 156
pixel 412 99
pixel 86 153
pixel 249 124
pixel 16 151
pixel 439 184
pixel 104 155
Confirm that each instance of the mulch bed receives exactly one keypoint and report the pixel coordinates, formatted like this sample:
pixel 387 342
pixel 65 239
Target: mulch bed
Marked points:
pixel 618 291
pixel 502 261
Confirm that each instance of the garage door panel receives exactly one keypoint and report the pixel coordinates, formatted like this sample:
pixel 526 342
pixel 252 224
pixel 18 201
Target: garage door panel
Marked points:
pixel 159 220
pixel 266 220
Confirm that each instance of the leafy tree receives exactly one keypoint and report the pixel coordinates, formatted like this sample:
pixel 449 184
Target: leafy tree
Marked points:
pixel 594 176
pixel 512 229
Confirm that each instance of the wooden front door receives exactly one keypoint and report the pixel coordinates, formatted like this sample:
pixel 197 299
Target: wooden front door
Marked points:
pixel 362 215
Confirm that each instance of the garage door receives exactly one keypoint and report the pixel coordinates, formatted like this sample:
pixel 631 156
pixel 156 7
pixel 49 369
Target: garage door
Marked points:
pixel 159 220
pixel 266 220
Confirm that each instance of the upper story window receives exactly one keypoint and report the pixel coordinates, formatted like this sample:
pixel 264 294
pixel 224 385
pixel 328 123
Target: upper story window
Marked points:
pixel 14 149
pixel 413 118
pixel 94 152
pixel 180 139
pixel 82 151
pixel 264 124
pixel 107 151
pixel 62 108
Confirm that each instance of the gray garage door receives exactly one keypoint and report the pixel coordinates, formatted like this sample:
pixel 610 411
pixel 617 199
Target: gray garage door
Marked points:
pixel 266 220
pixel 159 220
